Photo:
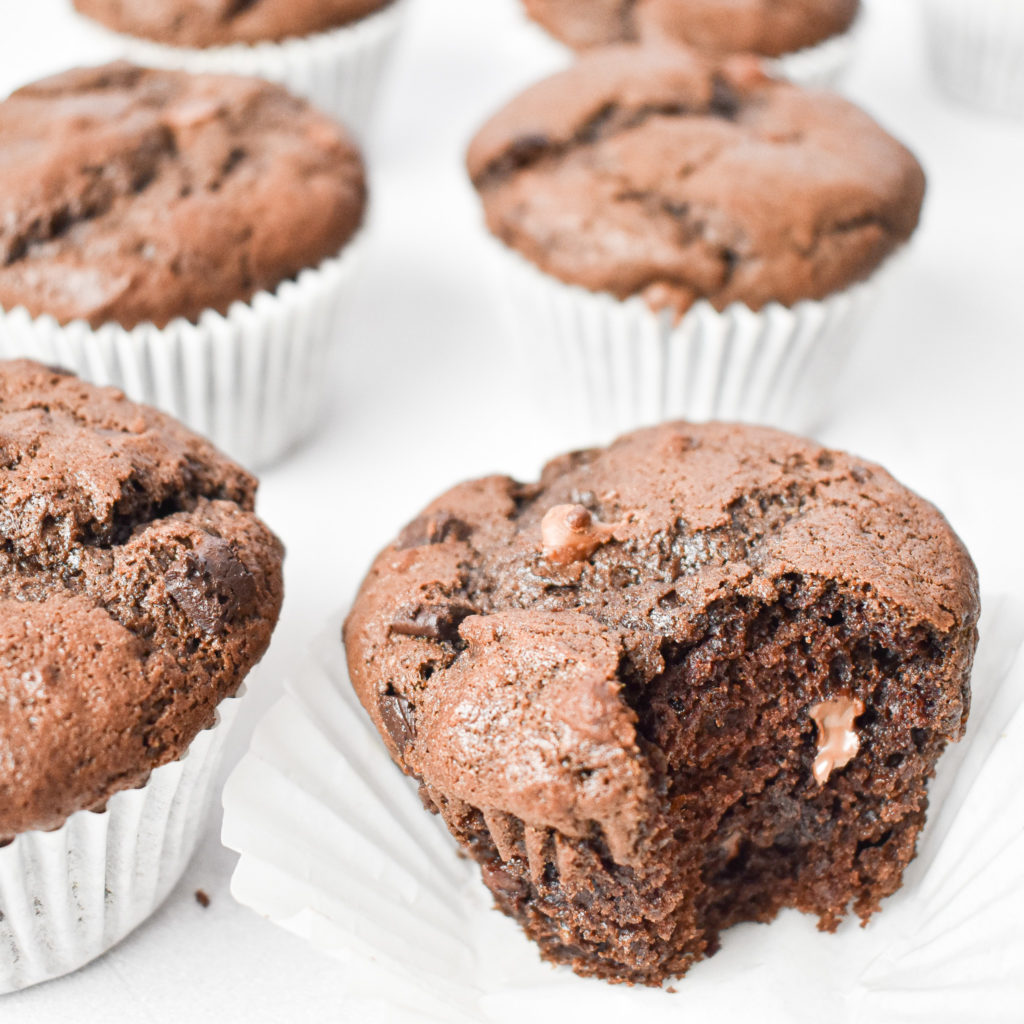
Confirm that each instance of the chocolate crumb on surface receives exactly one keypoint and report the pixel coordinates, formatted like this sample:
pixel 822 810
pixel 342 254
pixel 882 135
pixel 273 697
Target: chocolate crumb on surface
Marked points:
pixel 633 744
pixel 132 196
pixel 202 899
pixel 656 172
pixel 137 589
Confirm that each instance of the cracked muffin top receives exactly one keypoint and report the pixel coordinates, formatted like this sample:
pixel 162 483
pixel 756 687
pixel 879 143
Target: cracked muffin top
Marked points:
pixel 134 195
pixel 137 589
pixel 223 22
pixel 770 28
pixel 655 171
pixel 494 642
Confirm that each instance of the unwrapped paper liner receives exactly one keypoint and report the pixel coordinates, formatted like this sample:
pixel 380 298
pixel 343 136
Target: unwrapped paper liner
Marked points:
pixel 340 71
pixel 252 380
pixel 336 847
pixel 616 364
pixel 68 896
pixel 976 50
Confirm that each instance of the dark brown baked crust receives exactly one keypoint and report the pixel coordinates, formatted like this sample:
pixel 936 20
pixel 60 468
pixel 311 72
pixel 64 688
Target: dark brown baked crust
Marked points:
pixel 134 195
pixel 770 28
pixel 629 688
pixel 137 589
pixel 223 22
pixel 654 171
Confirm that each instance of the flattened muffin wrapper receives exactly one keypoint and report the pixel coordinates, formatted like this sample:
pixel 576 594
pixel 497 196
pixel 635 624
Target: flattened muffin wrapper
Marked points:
pixel 612 365
pixel 336 847
pixel 68 896
pixel 976 52
pixel 253 380
pixel 340 71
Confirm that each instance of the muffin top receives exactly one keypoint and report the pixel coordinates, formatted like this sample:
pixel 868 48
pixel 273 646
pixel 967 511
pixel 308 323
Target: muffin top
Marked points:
pixel 223 22
pixel 654 171
pixel 137 589
pixel 134 195
pixel 494 642
pixel 766 27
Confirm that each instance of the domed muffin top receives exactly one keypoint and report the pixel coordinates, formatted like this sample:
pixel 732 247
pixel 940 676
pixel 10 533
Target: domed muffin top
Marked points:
pixel 137 589
pixel 223 22
pixel 766 27
pixel 500 643
pixel 134 195
pixel 654 171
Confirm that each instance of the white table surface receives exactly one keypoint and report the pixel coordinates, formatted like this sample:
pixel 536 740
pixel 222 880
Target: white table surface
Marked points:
pixel 424 396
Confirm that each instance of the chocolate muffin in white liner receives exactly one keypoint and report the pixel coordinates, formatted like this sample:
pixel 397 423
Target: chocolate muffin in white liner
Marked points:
pixel 137 590
pixel 976 51
pixel 189 239
pixel 334 54
pixel 810 43
pixel 689 237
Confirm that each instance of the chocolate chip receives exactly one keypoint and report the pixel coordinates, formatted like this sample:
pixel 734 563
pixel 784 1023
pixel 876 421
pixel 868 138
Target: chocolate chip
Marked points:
pixel 435 528
pixel 399 718
pixel 211 586
pixel 503 883
pixel 434 622
pixel 725 101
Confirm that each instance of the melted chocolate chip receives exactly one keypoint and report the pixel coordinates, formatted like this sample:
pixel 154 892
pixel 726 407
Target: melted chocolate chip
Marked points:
pixel 399 718
pixel 433 529
pixel 211 586
pixel 434 622
pixel 725 101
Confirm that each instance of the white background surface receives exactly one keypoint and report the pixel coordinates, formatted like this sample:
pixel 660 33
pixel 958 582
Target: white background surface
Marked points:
pixel 426 395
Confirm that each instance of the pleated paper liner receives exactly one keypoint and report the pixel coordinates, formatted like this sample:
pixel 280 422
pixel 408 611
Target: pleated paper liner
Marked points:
pixel 606 365
pixel 68 896
pixel 976 50
pixel 336 847
pixel 253 380
pixel 340 71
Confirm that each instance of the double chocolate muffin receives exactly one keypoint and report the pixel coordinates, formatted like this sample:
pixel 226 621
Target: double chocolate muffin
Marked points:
pixel 681 682
pixel 770 28
pixel 223 22
pixel 656 172
pixel 137 590
pixel 130 195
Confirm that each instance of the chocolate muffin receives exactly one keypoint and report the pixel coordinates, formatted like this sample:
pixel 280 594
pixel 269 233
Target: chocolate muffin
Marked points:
pixel 131 195
pixel 681 682
pixel 770 28
pixel 655 172
pixel 223 22
pixel 137 590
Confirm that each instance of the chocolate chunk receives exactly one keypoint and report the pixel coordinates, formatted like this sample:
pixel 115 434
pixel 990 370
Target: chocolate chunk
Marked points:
pixel 399 717
pixel 435 622
pixel 211 586
pixel 434 528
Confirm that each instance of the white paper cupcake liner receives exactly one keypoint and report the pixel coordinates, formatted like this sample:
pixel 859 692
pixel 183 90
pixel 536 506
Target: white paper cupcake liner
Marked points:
pixel 609 365
pixel 252 380
pixel 68 896
pixel 977 51
pixel 336 847
pixel 823 65
pixel 340 71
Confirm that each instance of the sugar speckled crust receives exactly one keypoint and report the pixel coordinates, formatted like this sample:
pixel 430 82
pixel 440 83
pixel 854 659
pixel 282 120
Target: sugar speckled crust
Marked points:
pixel 770 28
pixel 617 717
pixel 653 171
pixel 133 195
pixel 223 22
pixel 137 589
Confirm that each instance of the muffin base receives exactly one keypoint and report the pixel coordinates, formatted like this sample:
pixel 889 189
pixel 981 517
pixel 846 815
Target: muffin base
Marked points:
pixel 612 365
pixel 976 52
pixel 339 71
pixel 68 896
pixel 252 380
pixel 821 66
